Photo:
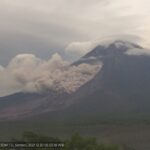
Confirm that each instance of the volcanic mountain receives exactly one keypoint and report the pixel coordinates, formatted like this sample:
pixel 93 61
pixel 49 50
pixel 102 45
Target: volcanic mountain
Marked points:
pixel 120 88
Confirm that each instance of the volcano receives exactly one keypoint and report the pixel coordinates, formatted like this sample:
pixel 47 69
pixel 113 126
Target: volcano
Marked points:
pixel 119 89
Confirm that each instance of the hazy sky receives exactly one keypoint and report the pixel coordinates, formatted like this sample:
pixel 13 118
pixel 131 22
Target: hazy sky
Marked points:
pixel 43 27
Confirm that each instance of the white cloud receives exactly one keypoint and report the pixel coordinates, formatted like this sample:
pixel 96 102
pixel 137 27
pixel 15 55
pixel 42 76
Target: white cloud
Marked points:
pixel 79 49
pixel 28 73
pixel 138 52
pixel 57 23
pixel 1 68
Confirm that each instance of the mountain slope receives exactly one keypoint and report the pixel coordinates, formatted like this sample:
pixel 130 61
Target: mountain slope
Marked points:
pixel 23 105
pixel 120 88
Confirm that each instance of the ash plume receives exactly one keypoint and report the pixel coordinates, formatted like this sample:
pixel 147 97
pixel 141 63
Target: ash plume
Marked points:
pixel 27 73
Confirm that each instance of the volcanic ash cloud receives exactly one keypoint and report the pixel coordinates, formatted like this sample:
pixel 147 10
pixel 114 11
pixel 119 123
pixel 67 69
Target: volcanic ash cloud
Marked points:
pixel 27 73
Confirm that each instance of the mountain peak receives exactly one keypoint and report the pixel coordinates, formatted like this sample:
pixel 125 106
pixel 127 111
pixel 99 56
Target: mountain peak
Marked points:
pixel 122 43
pixel 107 48
pixel 111 47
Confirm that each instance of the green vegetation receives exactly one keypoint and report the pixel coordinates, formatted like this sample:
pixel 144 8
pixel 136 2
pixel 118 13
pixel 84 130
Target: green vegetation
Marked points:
pixel 87 143
pixel 76 142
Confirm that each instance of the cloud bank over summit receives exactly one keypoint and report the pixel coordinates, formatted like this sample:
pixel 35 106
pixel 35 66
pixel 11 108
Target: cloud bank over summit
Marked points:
pixel 43 27
pixel 81 48
pixel 27 73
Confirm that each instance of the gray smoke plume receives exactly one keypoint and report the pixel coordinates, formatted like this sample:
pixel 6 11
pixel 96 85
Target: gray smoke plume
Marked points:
pixel 27 73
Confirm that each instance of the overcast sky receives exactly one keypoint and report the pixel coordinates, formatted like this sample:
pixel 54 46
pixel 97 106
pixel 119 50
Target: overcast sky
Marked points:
pixel 43 27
